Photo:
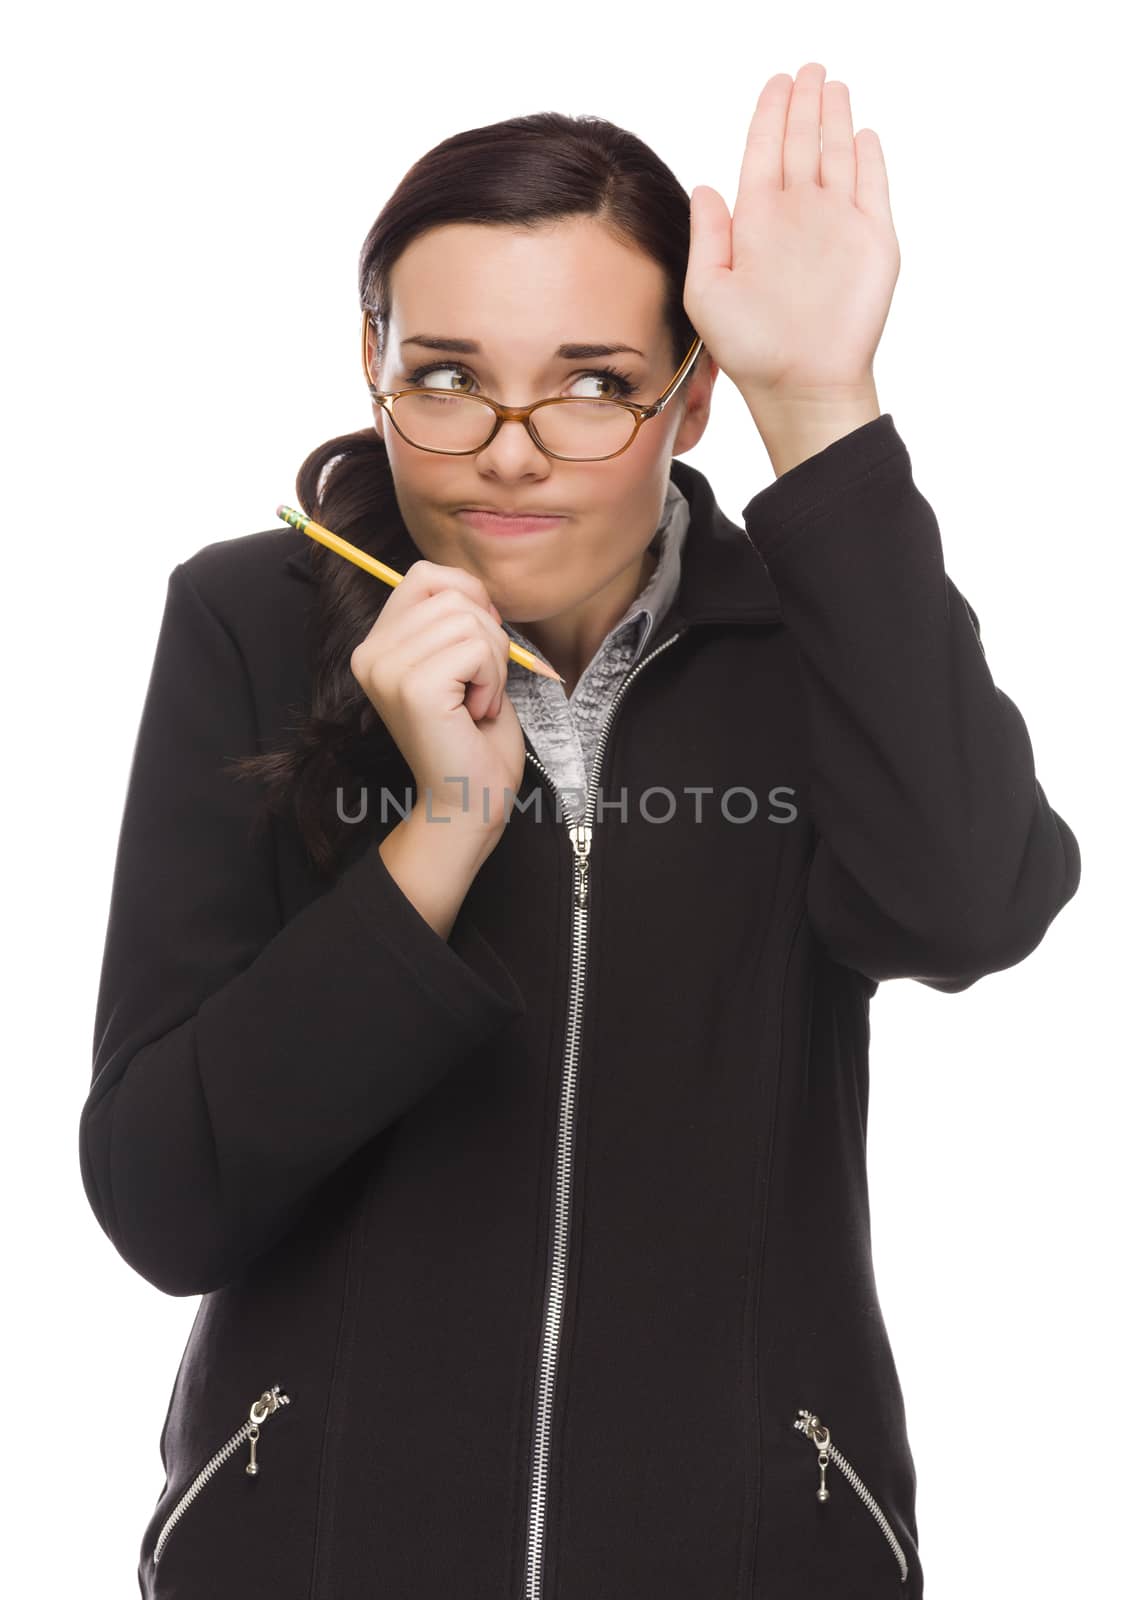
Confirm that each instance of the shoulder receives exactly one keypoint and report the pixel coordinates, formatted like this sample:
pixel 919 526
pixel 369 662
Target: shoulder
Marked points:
pixel 257 588
pixel 254 575
pixel 244 564
pixel 254 591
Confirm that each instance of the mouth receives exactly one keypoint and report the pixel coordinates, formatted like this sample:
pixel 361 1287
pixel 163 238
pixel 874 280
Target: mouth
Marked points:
pixel 502 523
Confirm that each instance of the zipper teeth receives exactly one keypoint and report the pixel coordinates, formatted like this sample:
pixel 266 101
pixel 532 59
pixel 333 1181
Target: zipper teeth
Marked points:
pixel 206 1473
pixel 553 1312
pixel 866 1496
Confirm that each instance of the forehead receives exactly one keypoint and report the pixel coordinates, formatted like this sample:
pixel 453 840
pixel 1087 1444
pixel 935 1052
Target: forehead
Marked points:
pixel 530 288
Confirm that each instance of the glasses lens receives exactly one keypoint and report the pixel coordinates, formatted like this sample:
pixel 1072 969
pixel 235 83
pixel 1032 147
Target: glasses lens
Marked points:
pixel 443 421
pixel 578 430
pixel 584 430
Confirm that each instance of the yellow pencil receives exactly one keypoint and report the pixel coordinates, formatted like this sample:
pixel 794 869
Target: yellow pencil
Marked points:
pixel 388 575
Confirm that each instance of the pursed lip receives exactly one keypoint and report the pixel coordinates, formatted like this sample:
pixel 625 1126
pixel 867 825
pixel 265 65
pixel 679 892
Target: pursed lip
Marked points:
pixel 497 511
pixel 508 524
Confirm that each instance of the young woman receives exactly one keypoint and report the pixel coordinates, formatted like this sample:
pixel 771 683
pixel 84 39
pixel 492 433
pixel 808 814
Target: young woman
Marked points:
pixel 492 1058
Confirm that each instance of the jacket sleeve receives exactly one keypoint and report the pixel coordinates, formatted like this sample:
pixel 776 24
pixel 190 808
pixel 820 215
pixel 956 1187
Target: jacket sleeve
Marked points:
pixel 238 1062
pixel 938 856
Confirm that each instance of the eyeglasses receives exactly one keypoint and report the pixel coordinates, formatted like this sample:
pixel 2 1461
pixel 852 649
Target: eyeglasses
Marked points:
pixel 452 424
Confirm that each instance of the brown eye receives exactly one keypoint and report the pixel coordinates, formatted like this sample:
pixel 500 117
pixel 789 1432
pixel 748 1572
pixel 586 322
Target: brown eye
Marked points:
pixel 610 392
pixel 621 385
pixel 414 379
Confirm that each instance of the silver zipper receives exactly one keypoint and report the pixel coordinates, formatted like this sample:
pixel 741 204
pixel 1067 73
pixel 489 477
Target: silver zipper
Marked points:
pixel 581 834
pixel 265 1406
pixel 815 1429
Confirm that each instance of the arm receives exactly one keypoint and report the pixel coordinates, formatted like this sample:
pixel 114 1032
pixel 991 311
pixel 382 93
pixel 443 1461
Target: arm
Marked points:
pixel 434 866
pixel 939 857
pixel 238 1062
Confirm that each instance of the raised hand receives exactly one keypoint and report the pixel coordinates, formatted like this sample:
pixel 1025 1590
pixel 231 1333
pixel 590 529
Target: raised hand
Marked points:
pixel 791 293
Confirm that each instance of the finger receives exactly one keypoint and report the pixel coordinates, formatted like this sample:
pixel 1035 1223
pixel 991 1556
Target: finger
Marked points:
pixel 444 602
pixel 762 153
pixel 461 674
pixel 437 607
pixel 429 577
pixel 801 149
pixel 501 648
pixel 501 643
pixel 838 152
pixel 503 663
pixel 871 175
pixel 418 648
pixel 710 247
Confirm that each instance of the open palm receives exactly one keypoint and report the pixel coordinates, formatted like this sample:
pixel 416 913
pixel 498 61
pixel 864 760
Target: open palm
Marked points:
pixel 790 293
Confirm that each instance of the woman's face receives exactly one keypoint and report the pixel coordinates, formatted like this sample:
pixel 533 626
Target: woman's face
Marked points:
pixel 518 294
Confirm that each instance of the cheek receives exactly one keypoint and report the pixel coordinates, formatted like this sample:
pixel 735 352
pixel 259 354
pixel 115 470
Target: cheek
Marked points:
pixel 624 483
pixel 632 488
pixel 420 481
pixel 432 531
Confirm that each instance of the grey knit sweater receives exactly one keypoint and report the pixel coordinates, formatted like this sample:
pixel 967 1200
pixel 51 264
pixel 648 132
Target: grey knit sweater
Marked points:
pixel 564 730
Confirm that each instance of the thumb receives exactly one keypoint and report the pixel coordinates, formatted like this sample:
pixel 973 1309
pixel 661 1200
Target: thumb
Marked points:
pixel 710 249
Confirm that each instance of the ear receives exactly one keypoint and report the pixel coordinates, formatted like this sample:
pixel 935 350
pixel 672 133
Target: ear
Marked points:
pixel 377 415
pixel 373 363
pixel 697 402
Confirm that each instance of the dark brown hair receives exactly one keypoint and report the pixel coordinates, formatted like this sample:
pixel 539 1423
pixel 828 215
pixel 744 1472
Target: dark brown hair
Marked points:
pixel 523 171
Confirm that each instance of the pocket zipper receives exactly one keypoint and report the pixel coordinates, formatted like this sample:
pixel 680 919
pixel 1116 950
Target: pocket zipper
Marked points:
pixel 813 1428
pixel 265 1406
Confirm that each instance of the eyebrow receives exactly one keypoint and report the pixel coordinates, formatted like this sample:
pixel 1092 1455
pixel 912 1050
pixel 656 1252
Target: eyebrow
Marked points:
pixel 565 352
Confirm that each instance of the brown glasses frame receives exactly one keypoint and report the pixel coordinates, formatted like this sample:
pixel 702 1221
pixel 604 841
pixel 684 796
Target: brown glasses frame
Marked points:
pixel 640 414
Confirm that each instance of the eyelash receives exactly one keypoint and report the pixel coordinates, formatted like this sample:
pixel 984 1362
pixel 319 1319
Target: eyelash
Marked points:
pixel 625 386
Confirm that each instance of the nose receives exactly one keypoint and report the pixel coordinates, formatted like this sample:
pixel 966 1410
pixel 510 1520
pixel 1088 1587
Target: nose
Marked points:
pixel 513 452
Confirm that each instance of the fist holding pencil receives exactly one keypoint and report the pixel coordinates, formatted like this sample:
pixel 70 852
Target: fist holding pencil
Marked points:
pixel 434 665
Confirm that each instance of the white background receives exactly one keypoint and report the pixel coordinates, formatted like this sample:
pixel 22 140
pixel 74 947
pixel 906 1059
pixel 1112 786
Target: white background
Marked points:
pixel 187 192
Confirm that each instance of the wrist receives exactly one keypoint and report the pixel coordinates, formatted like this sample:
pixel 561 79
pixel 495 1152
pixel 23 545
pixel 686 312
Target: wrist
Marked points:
pixel 463 834
pixel 434 863
pixel 796 424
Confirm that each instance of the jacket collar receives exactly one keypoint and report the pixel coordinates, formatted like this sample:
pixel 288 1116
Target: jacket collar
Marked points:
pixel 723 579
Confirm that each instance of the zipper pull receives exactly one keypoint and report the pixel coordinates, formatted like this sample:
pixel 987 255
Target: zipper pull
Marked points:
pixel 266 1404
pixel 581 839
pixel 814 1429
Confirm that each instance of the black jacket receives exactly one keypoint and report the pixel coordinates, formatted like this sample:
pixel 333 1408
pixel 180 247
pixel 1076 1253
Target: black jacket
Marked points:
pixel 537 1242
